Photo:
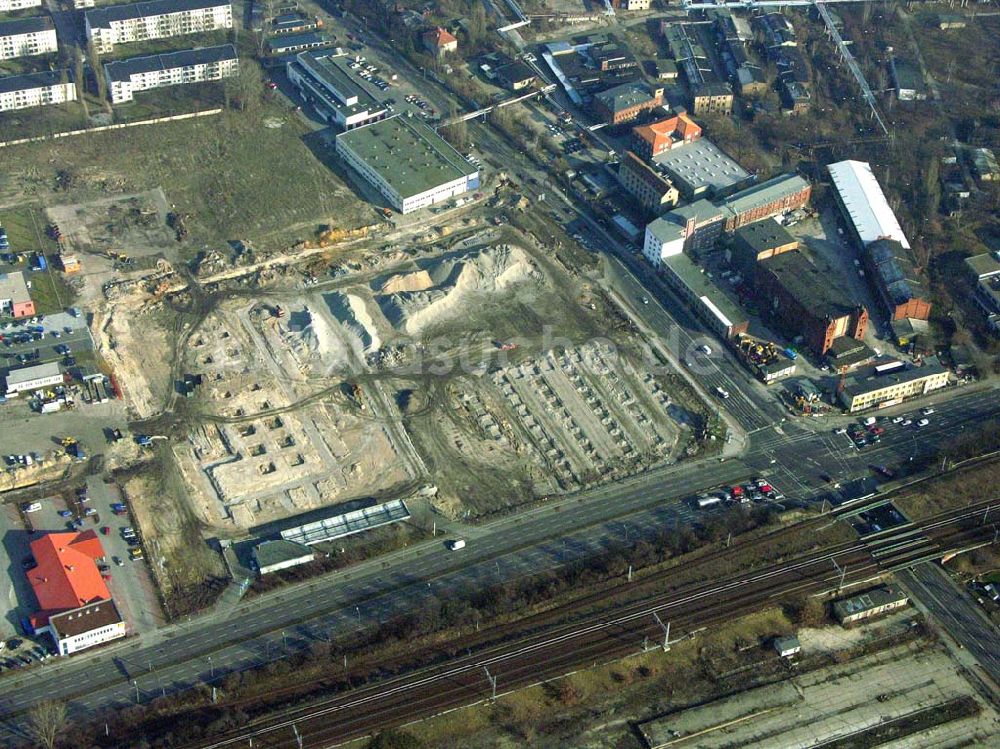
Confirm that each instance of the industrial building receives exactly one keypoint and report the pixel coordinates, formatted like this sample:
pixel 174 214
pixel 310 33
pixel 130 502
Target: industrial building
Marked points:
pixel 757 242
pixel 325 79
pixel 625 102
pixel 407 162
pixel 651 188
pixel 869 604
pixel 897 283
pixel 27 37
pixel 294 23
pixel 32 378
pixel 36 89
pixel 663 135
pixel 786 192
pixel 862 392
pixel 907 79
pixel 806 302
pixel 156 19
pixel 125 77
pixel 707 300
pixel 289 44
pixel 693 227
pixel 74 604
pixel 15 300
pixel 984 272
pixel 279 554
pixel 863 203
pixel 700 169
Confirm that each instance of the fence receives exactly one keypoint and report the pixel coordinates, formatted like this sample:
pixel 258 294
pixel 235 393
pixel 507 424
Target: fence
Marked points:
pixel 105 128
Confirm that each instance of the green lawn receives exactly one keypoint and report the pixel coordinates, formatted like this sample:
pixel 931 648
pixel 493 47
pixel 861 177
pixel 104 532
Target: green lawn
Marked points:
pixel 50 292
pixel 25 227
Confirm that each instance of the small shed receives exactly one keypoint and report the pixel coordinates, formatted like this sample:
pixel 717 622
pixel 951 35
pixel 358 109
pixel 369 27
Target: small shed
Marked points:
pixel 786 647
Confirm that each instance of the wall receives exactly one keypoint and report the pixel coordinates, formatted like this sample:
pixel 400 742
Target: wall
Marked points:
pixel 102 128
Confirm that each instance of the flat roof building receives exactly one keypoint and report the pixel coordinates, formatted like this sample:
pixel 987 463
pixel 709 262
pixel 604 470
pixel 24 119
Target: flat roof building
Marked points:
pixel 806 302
pixel 27 37
pixel 869 604
pixel 984 266
pixel 864 204
pixel 32 378
pixel 324 78
pixel 126 77
pixel 759 241
pixel 15 299
pixel 280 554
pixel 710 303
pixel 700 169
pixel 407 162
pixel 862 392
pixel 36 89
pixel 908 79
pixel 287 44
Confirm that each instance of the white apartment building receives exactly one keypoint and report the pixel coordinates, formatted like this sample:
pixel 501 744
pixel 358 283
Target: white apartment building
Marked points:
pixel 82 4
pixel 27 37
pixel 8 5
pixel 157 19
pixel 36 90
pixel 125 77
pixel 407 162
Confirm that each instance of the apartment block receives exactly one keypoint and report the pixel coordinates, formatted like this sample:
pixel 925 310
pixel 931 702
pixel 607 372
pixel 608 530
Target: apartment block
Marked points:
pixel 125 77
pixel 158 19
pixel 8 5
pixel 36 90
pixel 653 190
pixel 27 37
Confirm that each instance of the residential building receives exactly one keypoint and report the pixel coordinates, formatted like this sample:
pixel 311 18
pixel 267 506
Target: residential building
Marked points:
pixel 8 5
pixel 407 162
pixel 869 604
pixel 786 647
pixel 897 283
pixel 700 169
pixel 15 300
pixel 907 79
pixel 325 79
pixel 863 203
pixel 757 242
pixel 626 102
pixel 125 77
pixel 294 23
pixel 653 190
pixel 805 302
pixel 631 4
pixel 289 44
pixel 83 4
pixel 786 192
pixel 865 391
pixel 515 76
pixel 692 228
pixel 32 378
pixel 712 97
pixel 156 19
pixel 27 37
pixel 440 42
pixel 663 135
pixel 795 96
pixel 272 556
pixel 984 164
pixel 706 299
pixel 74 604
pixel 36 90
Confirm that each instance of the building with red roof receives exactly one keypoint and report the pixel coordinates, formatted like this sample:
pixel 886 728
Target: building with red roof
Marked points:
pixel 440 42
pixel 69 587
pixel 657 137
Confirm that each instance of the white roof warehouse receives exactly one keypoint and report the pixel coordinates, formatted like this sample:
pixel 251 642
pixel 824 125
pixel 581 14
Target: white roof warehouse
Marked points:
pixel 32 378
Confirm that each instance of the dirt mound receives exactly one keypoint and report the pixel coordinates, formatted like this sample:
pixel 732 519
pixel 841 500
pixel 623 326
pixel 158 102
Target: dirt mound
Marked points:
pixel 417 281
pixel 454 280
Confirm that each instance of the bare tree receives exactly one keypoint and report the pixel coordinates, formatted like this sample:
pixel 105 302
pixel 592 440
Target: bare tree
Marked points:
pixel 246 88
pixel 102 85
pixel 81 87
pixel 46 721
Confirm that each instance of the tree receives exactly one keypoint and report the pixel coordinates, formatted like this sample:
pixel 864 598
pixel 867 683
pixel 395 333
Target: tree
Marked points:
pixel 46 721
pixel 78 79
pixel 395 740
pixel 246 88
pixel 95 66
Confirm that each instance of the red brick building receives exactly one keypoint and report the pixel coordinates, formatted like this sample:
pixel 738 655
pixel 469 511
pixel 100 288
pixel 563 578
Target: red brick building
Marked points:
pixel 626 102
pixel 658 137
pixel 786 192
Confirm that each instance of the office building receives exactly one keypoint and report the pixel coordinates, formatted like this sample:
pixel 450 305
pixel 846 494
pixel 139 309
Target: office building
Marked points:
pixel 862 392
pixel 757 242
pixel 126 77
pixel 27 37
pixel 786 192
pixel 984 272
pixel 15 300
pixel 652 189
pixel 407 162
pixel 326 79
pixel 659 137
pixel 706 299
pixel 157 19
pixel 35 377
pixel 6 6
pixel 691 228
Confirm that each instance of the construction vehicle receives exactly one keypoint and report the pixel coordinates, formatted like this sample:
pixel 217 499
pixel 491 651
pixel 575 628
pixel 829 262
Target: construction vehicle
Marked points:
pixel 68 441
pixel 278 311
pixel 356 395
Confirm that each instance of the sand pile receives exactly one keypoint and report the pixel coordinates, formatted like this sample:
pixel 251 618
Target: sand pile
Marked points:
pixel 411 305
pixel 358 329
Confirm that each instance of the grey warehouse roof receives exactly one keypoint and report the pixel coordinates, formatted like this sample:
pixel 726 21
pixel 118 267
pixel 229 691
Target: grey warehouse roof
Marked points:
pixel 348 524
pixel 26 374
pixel 30 25
pixel 859 385
pixel 766 192
pixel 873 599
pixel 269 553
pixel 104 17
pixel 123 70
pixel 701 164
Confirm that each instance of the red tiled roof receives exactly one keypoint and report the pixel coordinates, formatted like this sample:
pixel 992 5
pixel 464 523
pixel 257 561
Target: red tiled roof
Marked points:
pixel 657 133
pixel 440 37
pixel 66 576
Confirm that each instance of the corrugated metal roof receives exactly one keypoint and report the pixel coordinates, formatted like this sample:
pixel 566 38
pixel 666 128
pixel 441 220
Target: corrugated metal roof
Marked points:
pixel 865 202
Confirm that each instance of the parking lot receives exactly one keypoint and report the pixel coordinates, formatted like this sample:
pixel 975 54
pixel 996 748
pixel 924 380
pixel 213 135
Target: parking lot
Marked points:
pixel 59 337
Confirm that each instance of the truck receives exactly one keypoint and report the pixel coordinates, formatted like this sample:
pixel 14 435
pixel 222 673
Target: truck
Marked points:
pixel 455 545
pixel 708 500
pixel 791 353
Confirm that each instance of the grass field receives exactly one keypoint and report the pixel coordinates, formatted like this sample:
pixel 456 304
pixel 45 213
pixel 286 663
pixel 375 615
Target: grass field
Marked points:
pixel 25 227
pixel 231 177
pixel 50 292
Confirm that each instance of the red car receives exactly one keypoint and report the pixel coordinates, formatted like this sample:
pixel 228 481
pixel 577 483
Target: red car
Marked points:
pixel 105 530
pixel 272 85
pixel 106 576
